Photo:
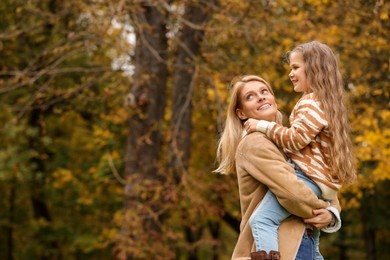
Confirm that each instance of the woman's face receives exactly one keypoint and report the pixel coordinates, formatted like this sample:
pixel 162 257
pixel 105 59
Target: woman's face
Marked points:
pixel 257 102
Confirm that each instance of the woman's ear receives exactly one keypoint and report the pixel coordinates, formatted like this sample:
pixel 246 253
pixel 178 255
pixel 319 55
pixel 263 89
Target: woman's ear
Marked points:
pixel 240 114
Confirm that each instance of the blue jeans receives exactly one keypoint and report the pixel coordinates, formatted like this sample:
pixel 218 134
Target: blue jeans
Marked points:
pixel 306 249
pixel 266 219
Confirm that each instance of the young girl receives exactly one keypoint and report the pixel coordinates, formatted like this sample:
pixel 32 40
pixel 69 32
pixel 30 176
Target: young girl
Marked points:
pixel 317 142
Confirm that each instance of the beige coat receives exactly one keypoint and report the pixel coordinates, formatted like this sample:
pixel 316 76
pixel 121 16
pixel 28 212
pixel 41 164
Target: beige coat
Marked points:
pixel 260 164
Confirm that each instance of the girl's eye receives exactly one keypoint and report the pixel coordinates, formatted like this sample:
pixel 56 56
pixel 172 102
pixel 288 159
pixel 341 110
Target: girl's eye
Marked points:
pixel 264 91
pixel 249 97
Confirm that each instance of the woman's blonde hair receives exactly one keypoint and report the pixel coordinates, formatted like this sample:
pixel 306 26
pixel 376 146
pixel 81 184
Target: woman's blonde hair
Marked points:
pixel 325 81
pixel 233 129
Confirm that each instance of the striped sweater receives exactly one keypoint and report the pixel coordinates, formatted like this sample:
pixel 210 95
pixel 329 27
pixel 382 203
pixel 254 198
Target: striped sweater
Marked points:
pixel 307 142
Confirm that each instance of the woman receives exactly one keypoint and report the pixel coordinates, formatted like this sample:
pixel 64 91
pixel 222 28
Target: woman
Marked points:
pixel 260 165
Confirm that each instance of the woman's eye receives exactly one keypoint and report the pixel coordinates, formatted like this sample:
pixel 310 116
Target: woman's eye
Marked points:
pixel 249 97
pixel 265 91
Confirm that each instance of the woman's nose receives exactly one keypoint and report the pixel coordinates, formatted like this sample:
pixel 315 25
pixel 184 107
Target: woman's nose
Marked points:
pixel 291 74
pixel 261 97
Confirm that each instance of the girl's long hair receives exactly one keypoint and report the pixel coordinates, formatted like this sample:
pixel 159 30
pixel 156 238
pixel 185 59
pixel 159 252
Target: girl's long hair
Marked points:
pixel 325 81
pixel 233 129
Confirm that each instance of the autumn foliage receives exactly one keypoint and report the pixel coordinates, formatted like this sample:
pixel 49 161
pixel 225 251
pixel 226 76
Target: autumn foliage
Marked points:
pixel 111 111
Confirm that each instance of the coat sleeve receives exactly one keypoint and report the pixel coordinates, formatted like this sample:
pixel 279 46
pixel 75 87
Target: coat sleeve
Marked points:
pixel 335 209
pixel 264 162
pixel 336 204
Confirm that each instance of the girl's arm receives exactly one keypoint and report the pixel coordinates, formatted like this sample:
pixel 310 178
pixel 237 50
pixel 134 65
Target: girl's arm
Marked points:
pixel 308 119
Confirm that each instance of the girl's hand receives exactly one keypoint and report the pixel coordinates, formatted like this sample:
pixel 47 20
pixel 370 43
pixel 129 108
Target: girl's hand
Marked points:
pixel 250 125
pixel 322 219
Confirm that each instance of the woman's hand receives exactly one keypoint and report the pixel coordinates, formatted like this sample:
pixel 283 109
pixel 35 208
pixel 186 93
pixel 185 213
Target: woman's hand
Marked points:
pixel 250 125
pixel 322 219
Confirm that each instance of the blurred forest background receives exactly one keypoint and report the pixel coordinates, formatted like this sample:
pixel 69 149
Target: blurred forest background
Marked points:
pixel 111 110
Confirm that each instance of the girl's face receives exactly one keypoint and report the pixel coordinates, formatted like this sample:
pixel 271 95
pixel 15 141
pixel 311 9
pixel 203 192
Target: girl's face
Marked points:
pixel 297 74
pixel 257 102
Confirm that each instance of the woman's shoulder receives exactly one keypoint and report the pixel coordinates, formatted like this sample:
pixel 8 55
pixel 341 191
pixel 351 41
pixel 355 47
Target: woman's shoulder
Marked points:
pixel 247 138
pixel 255 141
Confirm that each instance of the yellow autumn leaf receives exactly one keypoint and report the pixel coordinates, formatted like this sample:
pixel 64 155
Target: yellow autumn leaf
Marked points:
pixel 61 177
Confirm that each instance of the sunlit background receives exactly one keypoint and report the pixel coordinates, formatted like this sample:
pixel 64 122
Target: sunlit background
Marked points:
pixel 111 110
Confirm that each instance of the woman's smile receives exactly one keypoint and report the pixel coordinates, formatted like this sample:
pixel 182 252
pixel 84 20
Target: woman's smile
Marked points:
pixel 265 106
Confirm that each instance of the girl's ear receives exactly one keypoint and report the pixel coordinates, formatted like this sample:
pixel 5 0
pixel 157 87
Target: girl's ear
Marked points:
pixel 240 114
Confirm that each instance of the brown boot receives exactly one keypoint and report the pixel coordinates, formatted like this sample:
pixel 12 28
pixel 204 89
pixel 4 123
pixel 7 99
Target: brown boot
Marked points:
pixel 259 255
pixel 275 255
pixel 262 255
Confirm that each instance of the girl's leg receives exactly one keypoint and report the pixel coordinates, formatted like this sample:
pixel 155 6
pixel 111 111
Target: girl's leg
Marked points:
pixel 265 222
pixel 309 183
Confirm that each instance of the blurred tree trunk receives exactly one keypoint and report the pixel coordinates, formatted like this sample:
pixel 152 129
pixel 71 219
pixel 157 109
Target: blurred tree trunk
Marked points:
pixel 11 218
pixel 144 140
pixel 147 97
pixel 189 41
pixel 39 159
pixel 367 214
pixel 38 185
pixel 192 236
pixel 215 231
pixel 341 245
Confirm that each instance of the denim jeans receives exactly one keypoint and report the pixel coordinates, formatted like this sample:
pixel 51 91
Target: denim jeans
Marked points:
pixel 306 249
pixel 266 219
